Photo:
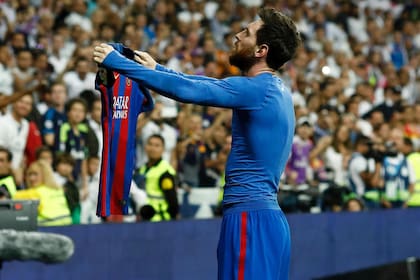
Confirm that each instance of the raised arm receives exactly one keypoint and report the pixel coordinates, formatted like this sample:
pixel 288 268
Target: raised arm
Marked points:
pixel 162 68
pixel 9 99
pixel 149 62
pixel 235 92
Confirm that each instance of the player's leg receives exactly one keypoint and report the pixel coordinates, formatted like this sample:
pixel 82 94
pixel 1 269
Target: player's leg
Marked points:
pixel 229 247
pixel 268 245
pixel 254 245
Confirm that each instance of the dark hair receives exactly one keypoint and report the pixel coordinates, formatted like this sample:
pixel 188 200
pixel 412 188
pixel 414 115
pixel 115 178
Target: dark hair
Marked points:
pixel 279 33
pixel 90 157
pixel 42 149
pixel 75 100
pixel 8 152
pixel 347 203
pixel 64 158
pixel 407 141
pixel 18 51
pixel 158 136
pixel 362 140
pixel 90 97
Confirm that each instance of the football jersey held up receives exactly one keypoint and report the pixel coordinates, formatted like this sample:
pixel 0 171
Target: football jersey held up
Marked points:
pixel 122 101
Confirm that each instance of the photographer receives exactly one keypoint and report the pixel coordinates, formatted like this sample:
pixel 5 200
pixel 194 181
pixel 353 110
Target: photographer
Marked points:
pixel 397 172
pixel 363 172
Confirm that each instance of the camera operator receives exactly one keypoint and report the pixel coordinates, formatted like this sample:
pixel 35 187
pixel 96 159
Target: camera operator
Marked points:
pixel 398 176
pixel 364 173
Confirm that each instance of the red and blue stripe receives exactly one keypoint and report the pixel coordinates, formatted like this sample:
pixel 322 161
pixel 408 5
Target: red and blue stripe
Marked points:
pixel 119 138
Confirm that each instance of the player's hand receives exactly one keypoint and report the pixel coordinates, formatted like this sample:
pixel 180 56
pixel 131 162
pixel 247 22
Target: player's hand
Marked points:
pixel 101 52
pixel 145 59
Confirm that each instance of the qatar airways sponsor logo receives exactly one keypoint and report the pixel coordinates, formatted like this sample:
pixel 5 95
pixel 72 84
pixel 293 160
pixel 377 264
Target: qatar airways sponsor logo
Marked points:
pixel 120 107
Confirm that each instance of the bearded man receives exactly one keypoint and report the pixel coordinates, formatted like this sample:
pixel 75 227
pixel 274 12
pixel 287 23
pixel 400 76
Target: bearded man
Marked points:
pixel 255 239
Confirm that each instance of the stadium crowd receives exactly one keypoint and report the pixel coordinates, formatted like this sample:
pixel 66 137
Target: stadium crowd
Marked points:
pixel 355 83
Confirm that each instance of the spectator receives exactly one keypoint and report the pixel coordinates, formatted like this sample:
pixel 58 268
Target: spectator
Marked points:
pixel 58 57
pixel 159 181
pixel 23 72
pixel 6 78
pixel 391 104
pixel 360 170
pixel 298 170
pixel 190 153
pixel 64 177
pixel 413 158
pixel 156 124
pixel 336 152
pixel 55 116
pixel 43 70
pixel 408 86
pixel 325 123
pixel 46 154
pixel 53 209
pixel 7 182
pixel 90 201
pixel 366 93
pixel 353 205
pixel 33 142
pixel 15 126
pixel 397 173
pixel 95 122
pixel 78 15
pixel 411 126
pixel 80 78
pixel 74 136
pixel 215 140
pixel 18 41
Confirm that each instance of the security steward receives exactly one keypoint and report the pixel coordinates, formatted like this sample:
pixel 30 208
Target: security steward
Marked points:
pixel 413 157
pixel 159 179
pixel 7 182
pixel 53 209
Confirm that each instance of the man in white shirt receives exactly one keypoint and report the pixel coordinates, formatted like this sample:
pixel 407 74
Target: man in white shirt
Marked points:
pixel 6 78
pixel 78 16
pixel 23 72
pixel 156 125
pixel 14 133
pixel 95 123
pixel 58 57
pixel 360 172
pixel 80 79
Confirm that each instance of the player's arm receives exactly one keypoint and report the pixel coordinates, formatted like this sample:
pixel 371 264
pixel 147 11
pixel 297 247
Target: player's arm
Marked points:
pixel 148 61
pixel 167 185
pixel 162 68
pixel 231 92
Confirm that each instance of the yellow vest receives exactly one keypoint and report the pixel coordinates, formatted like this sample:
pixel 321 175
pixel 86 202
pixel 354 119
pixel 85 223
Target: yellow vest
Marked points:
pixel 222 183
pixel 155 196
pixel 414 160
pixel 9 182
pixel 53 209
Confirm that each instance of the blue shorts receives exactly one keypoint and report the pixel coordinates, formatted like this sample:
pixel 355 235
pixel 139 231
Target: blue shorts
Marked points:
pixel 254 242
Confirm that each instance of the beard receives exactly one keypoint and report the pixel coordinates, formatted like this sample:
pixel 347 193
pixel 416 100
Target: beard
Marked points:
pixel 243 59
